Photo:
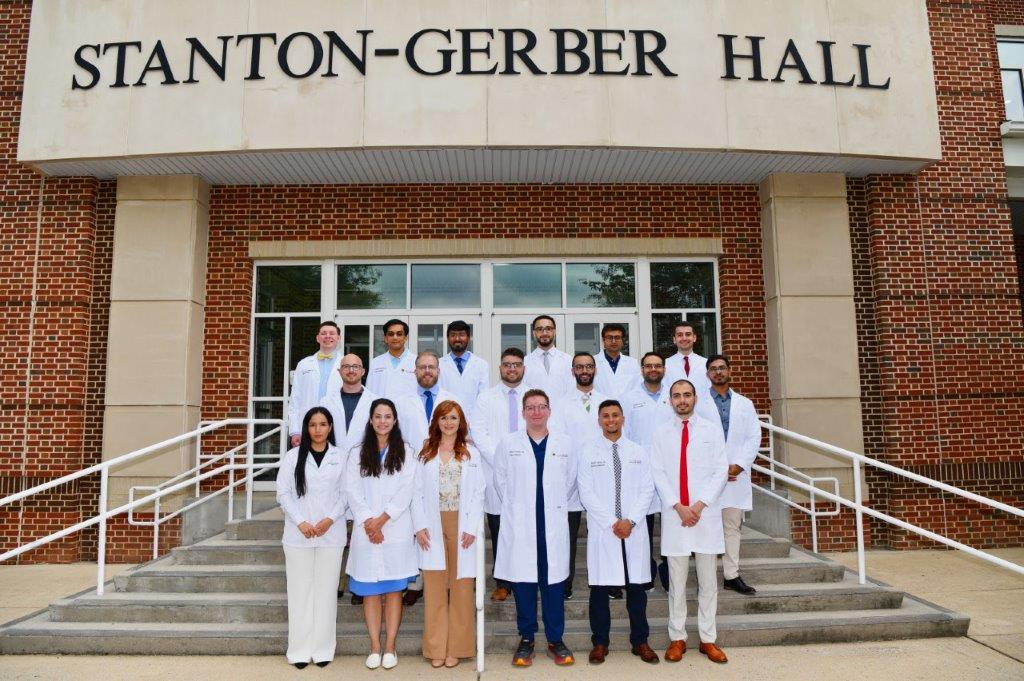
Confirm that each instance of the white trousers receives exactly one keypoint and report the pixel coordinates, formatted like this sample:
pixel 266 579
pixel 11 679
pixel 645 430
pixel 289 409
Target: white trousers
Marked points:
pixel 312 576
pixel 732 521
pixel 707 596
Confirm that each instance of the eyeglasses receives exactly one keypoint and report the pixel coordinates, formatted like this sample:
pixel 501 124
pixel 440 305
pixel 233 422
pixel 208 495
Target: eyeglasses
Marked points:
pixel 652 366
pixel 543 328
pixel 511 365
pixel 536 408
pixel 429 367
pixel 717 369
pixel 351 367
pixel 584 367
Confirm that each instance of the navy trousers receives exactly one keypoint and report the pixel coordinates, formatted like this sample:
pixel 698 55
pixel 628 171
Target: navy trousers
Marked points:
pixel 636 606
pixel 552 603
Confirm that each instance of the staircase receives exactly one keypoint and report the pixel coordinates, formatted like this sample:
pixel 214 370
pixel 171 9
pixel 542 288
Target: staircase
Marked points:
pixel 226 596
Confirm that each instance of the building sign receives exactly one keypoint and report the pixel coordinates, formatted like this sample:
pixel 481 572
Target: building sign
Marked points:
pixel 460 51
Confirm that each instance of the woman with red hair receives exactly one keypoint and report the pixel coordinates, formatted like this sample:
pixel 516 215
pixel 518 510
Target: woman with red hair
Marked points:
pixel 447 510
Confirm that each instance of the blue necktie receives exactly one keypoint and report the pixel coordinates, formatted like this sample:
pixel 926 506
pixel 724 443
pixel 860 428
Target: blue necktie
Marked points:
pixel 429 403
pixel 459 362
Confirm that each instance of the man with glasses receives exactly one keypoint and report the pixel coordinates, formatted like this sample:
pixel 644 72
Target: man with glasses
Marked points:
pixel 548 368
pixel 687 364
pixel 498 413
pixel 647 409
pixel 742 431
pixel 617 373
pixel 393 374
pixel 462 372
pixel 575 416
pixel 313 378
pixel 535 476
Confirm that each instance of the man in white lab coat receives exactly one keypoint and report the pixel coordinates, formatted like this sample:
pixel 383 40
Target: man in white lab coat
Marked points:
pixel 393 374
pixel 463 372
pixel 742 431
pixel 647 409
pixel 349 406
pixel 616 489
pixel 535 475
pixel 690 471
pixel 575 416
pixel 687 364
pixel 548 368
pixel 314 377
pixel 414 413
pixel 617 373
pixel 497 413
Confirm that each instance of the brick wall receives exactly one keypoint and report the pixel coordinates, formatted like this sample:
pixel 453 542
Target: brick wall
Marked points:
pixel 1006 12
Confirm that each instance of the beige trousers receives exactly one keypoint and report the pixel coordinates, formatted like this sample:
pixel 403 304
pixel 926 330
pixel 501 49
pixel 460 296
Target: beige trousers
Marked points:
pixel 732 521
pixel 449 608
pixel 707 596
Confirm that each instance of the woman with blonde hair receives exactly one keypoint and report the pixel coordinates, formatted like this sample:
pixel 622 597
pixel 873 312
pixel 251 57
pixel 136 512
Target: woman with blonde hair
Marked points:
pixel 447 511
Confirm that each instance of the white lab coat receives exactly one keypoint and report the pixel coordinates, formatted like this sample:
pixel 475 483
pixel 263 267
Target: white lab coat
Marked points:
pixel 412 416
pixel 741 445
pixel 346 439
pixel 617 383
pixel 386 381
pixel 368 497
pixel 555 383
pixel 489 423
pixel 570 417
pixel 325 497
pixel 643 418
pixel 426 512
pixel 515 477
pixel 675 370
pixel 596 478
pixel 306 388
pixel 470 383
pixel 706 467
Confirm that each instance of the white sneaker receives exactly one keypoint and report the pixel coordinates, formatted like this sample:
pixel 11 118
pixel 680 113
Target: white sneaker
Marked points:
pixel 390 660
pixel 373 661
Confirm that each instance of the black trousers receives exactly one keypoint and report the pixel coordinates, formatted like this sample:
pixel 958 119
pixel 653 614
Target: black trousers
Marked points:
pixel 636 606
pixel 575 518
pixel 493 526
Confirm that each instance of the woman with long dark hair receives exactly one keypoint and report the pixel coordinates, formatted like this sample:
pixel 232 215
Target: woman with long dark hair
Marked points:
pixel 447 511
pixel 382 560
pixel 311 492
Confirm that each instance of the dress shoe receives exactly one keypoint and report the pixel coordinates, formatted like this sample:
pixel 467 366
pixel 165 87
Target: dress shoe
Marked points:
pixel 356 600
pixel 615 594
pixel 646 653
pixel 389 661
pixel 713 652
pixel 598 654
pixel 737 584
pixel 301 665
pixel 411 597
pixel 675 652
pixel 373 661
pixel 568 594
pixel 322 664
pixel 500 594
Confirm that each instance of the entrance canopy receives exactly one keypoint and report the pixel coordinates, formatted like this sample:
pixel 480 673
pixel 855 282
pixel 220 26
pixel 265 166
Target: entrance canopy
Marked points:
pixel 354 91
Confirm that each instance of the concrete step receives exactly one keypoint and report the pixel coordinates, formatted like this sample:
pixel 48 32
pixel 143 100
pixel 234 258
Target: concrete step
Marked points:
pixel 273 607
pixel 165 575
pixel 40 635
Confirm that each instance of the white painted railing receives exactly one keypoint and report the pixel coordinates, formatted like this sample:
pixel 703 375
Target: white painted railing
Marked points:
pixel 859 461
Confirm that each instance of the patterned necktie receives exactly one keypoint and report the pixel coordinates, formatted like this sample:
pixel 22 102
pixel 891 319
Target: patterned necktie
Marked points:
pixel 547 362
pixel 686 365
pixel 459 361
pixel 513 411
pixel 586 402
pixel 429 404
pixel 684 483
pixel 617 467
pixel 325 355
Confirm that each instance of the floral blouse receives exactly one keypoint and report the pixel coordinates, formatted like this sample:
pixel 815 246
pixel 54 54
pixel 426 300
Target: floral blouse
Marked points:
pixel 450 478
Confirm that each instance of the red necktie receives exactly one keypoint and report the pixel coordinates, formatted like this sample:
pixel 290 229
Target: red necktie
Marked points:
pixel 686 365
pixel 684 483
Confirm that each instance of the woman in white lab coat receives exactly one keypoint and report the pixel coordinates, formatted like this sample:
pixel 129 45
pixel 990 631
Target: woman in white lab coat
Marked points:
pixel 310 490
pixel 447 512
pixel 382 560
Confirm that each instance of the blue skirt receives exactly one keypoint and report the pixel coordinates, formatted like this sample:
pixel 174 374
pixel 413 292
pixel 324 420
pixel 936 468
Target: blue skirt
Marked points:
pixel 378 588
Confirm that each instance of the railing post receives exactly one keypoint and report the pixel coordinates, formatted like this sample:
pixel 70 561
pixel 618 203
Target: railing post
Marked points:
pixel 231 487
pixel 249 482
pixel 199 455
pixel 859 511
pixel 771 456
pixel 101 540
pixel 481 586
pixel 156 528
pixel 814 521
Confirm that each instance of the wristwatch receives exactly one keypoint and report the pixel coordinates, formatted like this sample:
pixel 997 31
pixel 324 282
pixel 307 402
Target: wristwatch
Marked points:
pixel 632 523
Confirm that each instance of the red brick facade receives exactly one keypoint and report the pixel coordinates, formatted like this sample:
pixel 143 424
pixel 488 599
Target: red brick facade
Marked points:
pixel 937 298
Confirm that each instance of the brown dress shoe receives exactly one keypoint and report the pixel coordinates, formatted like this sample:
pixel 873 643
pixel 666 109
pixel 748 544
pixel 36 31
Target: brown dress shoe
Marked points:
pixel 500 594
pixel 713 652
pixel 598 654
pixel 411 597
pixel 646 653
pixel 675 652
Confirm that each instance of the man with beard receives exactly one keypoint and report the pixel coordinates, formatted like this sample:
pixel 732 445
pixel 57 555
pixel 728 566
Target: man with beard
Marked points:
pixel 548 368
pixel 575 416
pixel 463 372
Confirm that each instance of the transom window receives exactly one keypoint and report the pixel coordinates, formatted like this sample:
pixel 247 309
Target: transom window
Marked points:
pixel 1011 63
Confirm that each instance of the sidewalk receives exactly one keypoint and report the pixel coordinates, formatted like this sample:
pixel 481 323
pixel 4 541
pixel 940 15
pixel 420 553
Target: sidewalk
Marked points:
pixel 994 649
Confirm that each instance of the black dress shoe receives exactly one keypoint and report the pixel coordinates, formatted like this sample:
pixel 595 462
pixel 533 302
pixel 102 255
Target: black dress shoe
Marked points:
pixel 615 594
pixel 568 594
pixel 356 600
pixel 411 597
pixel 322 664
pixel 301 665
pixel 739 585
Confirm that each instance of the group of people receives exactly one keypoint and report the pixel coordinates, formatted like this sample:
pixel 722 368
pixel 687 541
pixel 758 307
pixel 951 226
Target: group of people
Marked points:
pixel 416 456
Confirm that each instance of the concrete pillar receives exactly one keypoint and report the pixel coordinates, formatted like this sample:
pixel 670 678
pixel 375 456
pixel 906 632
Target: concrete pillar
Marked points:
pixel 812 332
pixel 157 300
